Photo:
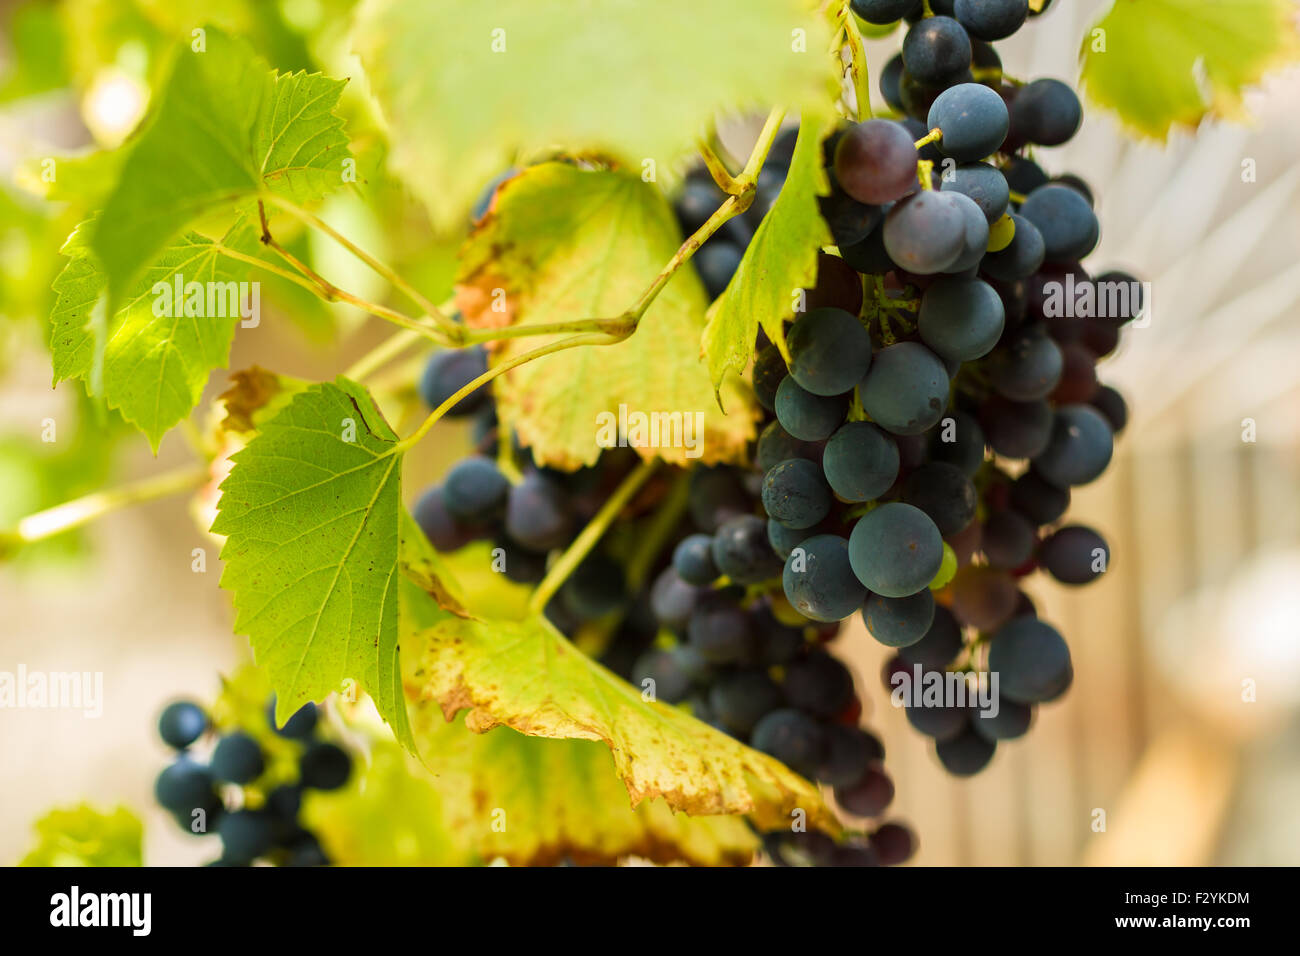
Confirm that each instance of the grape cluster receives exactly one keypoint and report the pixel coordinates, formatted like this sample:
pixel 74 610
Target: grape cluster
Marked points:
pixel 257 818
pixel 941 396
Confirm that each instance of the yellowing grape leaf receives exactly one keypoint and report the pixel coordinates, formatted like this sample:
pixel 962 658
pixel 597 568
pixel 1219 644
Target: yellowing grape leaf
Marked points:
pixel 565 243
pixel 466 86
pixel 526 676
pixel 781 259
pixel 84 836
pixel 159 350
pixel 1166 63
pixel 311 511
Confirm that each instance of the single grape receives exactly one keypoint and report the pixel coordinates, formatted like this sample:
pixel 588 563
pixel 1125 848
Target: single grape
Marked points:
pixel 1075 554
pixel 793 738
pixel 324 766
pixel 860 462
pixel 716 262
pixel 784 540
pixel 957 440
pixel 975 238
pixel 984 597
pixel 450 371
pixel 1031 660
pixel 925 232
pixel 776 445
pixel 1046 112
pixel 779 643
pixel 740 700
pixel 944 493
pixel 475 490
pixel 673 600
pixel 796 494
pixel 300 725
pixel 875 161
pixel 819 580
pixel 850 221
pixel 1008 539
pixel 245 835
pixel 983 184
pixel 1023 175
pixel 184 785
pixel 891 78
pixel 960 319
pixel 972 117
pixel 1078 184
pixel 741 551
pixel 1026 367
pixel 182 723
pixel 519 564
pixel 538 514
pixel 1023 255
pixel 965 754
pixel 899 622
pixel 1111 405
pixel 721 632
pixel 1078 376
pixel 884 11
pixel 283 804
pixel 936 50
pixel 818 684
pixel 596 587
pixel 869 256
pixel 1080 447
pixel 895 550
pixel 716 495
pixel 941 643
pixel 941 722
pixel 444 532
pixel 991 19
pixel 1011 721
pixel 237 759
pixel 1064 219
pixel 838 286
pixel 1038 500
pixel 869 796
pixel 806 416
pixel 671 683
pixel 893 843
pixel 830 351
pixel 693 559
pixel 849 751
pixel 906 390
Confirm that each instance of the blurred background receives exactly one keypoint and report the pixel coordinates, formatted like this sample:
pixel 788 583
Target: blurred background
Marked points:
pixel 1182 730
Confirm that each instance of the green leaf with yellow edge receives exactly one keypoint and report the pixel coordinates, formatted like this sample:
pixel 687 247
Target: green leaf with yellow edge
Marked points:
pixel 463 86
pixel 311 511
pixel 566 243
pixel 1168 63
pixel 84 836
pixel 780 260
pixel 155 365
pixel 526 676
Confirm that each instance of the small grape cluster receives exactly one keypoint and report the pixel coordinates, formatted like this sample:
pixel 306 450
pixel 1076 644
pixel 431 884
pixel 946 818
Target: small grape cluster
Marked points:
pixel 229 794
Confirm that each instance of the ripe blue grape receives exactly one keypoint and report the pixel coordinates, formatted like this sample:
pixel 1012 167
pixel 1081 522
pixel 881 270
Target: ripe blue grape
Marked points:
pixel 884 11
pixel 869 796
pixel 807 416
pixel 942 642
pixel 869 256
pixel 975 240
pixel 1012 720
pixel 837 286
pixel 991 19
pixel 717 261
pixel 721 633
pixel 538 514
pixel 984 184
pixel 1111 405
pixel 245 835
pixel 1026 367
pixel 673 600
pixel 891 83
pixel 784 540
pixel 936 50
pixel 793 738
pixel 973 118
pixel 906 390
pixel 818 684
pixel 776 445
pixel 942 723
pixel 1065 221
pixel 1017 429
pixel 1007 539
pixel 475 490
pixel 1038 500
pixel 925 233
pixel 324 766
pixel 795 494
pixel 237 759
pixel 819 581
pixel 184 785
pixel 849 220
pixel 965 754
pixel 944 493
pixel 300 724
pixel 444 532
pixel 1031 660
pixel 848 753
pixel 958 440
pixel 182 723
pixel 1022 257
pixel 1080 447
pixel 895 550
pixel 596 587
pixel 693 559
pixel 1075 554
pixel 740 700
pixel 960 319
pixel 450 371
pixel 742 552
pixel 875 161
pixel 860 462
pixel 716 495
pixel 1046 112
pixel 830 351
pixel 899 622
pixel 671 683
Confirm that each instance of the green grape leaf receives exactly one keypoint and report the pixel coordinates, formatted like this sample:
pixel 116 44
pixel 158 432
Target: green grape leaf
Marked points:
pixel 155 365
pixel 781 259
pixel 1166 63
pixel 84 836
pixel 311 511
pixel 526 676
pixel 463 86
pixel 564 243
pixel 225 129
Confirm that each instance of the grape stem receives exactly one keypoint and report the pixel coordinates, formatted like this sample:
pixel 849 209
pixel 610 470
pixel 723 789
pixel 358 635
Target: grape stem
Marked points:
pixel 718 170
pixel 1018 198
pixel 587 538
pixel 934 136
pixel 79 511
pixel 389 349
pixel 857 63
